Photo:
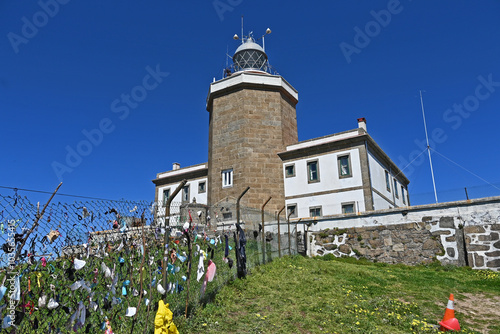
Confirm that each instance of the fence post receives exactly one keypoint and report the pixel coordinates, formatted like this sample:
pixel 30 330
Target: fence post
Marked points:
pixel 279 235
pixel 241 272
pixel 288 221
pixel 35 224
pixel 167 223
pixel 263 233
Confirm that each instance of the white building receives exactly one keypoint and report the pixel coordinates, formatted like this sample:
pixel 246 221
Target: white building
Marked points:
pixel 345 172
pixel 253 142
pixel 194 191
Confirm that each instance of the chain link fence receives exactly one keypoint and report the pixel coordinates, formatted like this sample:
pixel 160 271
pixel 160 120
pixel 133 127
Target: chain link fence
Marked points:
pixel 82 266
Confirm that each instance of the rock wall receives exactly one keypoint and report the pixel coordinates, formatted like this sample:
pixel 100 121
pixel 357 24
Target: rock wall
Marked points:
pixel 459 233
pixel 483 246
pixel 403 243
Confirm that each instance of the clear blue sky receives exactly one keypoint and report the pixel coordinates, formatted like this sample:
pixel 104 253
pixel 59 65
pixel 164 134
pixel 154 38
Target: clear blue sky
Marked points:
pixel 65 72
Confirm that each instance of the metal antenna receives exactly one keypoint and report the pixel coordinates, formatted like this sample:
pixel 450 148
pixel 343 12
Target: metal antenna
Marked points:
pixel 241 29
pixel 428 147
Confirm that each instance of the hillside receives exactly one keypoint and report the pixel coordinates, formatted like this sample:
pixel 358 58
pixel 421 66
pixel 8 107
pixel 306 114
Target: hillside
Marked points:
pixel 327 295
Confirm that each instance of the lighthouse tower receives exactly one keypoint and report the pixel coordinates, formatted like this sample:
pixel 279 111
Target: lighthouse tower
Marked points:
pixel 252 118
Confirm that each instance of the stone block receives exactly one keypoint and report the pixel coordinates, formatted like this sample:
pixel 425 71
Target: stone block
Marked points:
pixel 493 263
pixel 495 227
pixel 488 237
pixel 430 244
pixel 330 247
pixel 478 248
pixel 441 232
pixel 362 251
pixel 413 245
pixel 478 260
pixel 345 249
pixel 474 229
pixel 451 239
pixel 446 222
pixel 497 245
pixel 450 251
pixel 375 243
pixel 493 254
pixel 398 248
pixel 365 236
pixel 426 219
pixel 388 241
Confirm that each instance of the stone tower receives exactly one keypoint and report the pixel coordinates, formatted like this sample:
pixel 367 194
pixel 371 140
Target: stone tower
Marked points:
pixel 252 118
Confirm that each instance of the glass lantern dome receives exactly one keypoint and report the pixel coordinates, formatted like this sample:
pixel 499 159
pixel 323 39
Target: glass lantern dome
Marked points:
pixel 250 56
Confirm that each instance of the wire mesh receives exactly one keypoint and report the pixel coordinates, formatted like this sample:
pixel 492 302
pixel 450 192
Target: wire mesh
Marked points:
pixel 87 262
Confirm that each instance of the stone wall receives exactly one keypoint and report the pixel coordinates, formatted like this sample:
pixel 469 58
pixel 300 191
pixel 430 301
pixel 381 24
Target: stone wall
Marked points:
pixel 412 243
pixel 483 246
pixel 459 233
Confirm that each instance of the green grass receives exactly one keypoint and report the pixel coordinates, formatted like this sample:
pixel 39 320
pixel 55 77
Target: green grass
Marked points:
pixel 327 295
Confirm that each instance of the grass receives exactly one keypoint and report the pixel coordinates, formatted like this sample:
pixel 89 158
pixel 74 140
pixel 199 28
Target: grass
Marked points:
pixel 328 295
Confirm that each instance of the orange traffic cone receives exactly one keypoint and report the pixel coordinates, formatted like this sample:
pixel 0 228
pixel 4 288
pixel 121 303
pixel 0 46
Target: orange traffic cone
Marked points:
pixel 449 313
pixel 450 324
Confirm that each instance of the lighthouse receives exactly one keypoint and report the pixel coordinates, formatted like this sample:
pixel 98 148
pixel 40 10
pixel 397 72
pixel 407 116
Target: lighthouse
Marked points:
pixel 252 118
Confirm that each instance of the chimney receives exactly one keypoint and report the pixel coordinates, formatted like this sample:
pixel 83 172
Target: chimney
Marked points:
pixel 176 166
pixel 362 123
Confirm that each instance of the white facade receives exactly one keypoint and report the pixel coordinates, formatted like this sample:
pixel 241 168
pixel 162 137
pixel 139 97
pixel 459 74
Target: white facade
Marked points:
pixel 386 192
pixel 195 190
pixel 330 191
pixel 340 174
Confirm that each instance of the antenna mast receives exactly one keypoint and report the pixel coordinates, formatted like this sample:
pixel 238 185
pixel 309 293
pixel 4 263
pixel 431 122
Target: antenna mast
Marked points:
pixel 242 30
pixel 428 147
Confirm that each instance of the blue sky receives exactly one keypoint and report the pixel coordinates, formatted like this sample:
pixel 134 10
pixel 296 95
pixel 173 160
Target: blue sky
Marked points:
pixel 66 67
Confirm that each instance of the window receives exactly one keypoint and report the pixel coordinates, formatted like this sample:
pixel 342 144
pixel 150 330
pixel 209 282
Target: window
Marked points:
pixel 166 195
pixel 185 193
pixel 403 194
pixel 291 210
pixel 387 181
pixel 344 164
pixel 396 188
pixel 290 171
pixel 227 215
pixel 313 171
pixel 348 208
pixel 315 211
pixel 227 178
pixel 202 187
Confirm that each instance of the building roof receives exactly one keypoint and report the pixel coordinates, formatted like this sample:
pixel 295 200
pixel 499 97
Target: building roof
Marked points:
pixel 338 141
pixel 176 175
